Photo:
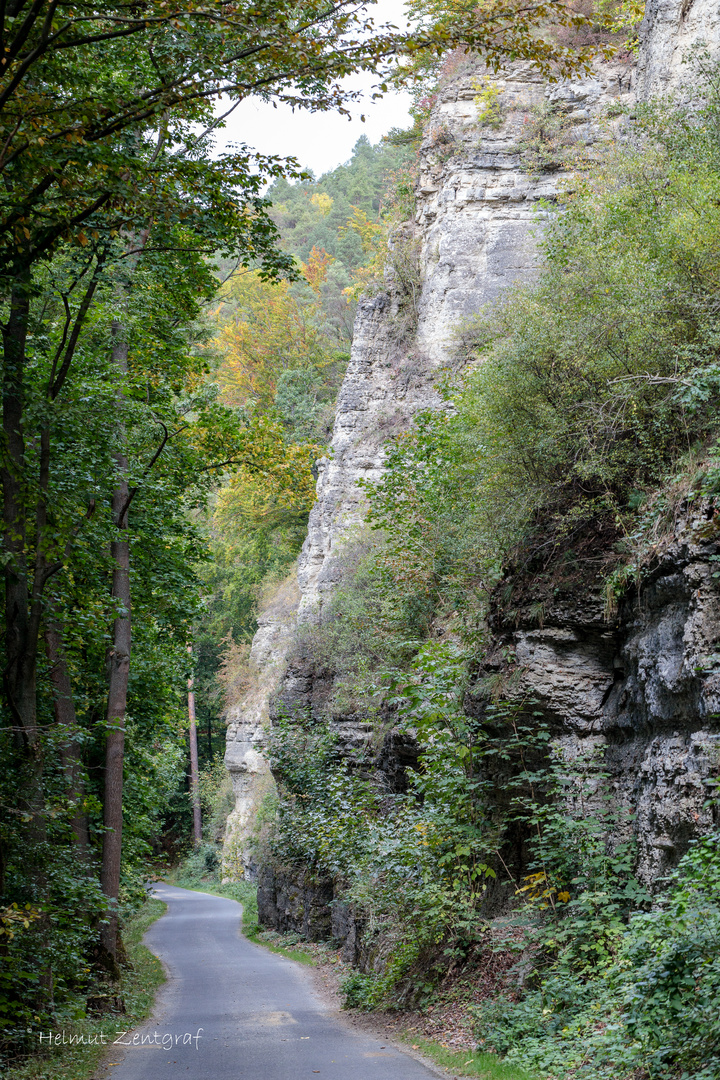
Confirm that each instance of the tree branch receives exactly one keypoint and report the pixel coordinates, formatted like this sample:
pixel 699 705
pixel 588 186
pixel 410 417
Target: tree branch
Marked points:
pixel 61 376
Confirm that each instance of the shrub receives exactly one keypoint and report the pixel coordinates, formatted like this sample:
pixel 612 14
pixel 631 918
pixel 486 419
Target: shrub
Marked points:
pixel 584 390
pixel 651 1012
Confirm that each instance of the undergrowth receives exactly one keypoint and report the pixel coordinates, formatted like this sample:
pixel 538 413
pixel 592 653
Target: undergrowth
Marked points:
pixel 464 1063
pixel 584 425
pixel 131 1002
pixel 650 1008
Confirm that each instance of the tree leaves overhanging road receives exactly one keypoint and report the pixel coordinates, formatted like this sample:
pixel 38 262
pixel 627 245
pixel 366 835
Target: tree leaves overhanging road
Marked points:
pixel 111 213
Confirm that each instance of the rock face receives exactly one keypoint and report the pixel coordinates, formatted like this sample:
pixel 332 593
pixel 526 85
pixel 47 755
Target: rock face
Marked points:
pixel 644 687
pixel 297 903
pixel 382 387
pixel 479 211
pixel 669 32
pixel 248 724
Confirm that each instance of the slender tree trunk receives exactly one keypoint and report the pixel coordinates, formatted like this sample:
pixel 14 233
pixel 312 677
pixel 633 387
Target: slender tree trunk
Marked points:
pixel 118 682
pixel 20 674
pixel 22 599
pixel 194 772
pixel 25 583
pixel 66 721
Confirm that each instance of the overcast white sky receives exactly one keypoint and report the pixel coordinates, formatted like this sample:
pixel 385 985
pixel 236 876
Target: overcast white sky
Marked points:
pixel 320 140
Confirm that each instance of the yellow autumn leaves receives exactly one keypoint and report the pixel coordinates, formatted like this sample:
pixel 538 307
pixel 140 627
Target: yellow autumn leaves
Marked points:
pixel 265 330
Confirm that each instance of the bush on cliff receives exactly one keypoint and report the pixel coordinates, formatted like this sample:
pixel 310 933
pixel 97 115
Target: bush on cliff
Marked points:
pixel 586 393
pixel 584 390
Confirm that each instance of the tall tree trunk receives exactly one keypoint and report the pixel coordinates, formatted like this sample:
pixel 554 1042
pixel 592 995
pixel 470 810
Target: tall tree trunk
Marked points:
pixel 194 772
pixel 66 720
pixel 24 583
pixel 22 599
pixel 20 674
pixel 118 681
pixel 23 603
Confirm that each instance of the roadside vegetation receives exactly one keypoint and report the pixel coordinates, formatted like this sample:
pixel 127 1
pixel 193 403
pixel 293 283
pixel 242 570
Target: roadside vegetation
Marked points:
pixel 175 329
pixel 88 1039
pixel 584 420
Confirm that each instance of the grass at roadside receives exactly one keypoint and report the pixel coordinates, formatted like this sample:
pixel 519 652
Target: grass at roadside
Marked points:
pixel 467 1063
pixel 483 1066
pixel 137 987
pixel 246 894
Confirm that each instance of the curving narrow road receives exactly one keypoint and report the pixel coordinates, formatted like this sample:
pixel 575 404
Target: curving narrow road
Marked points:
pixel 232 1010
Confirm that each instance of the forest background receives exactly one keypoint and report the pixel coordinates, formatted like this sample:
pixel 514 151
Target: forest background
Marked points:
pixel 161 432
pixel 116 227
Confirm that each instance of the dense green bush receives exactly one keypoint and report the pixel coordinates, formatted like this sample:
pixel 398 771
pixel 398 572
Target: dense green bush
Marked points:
pixel 651 1009
pixel 590 396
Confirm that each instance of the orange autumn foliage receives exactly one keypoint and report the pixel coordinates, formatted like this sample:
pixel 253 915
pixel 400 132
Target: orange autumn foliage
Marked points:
pixel 268 329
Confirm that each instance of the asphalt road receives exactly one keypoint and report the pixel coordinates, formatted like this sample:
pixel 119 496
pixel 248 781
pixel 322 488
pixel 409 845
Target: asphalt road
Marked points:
pixel 232 1010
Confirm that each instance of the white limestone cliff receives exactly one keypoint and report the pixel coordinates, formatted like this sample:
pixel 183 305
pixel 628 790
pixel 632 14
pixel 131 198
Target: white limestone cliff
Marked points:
pixel 669 33
pixel 478 221
pixel 248 723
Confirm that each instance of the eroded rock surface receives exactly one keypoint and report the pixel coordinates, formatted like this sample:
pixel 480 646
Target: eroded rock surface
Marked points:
pixel 248 724
pixel 643 687
pixel 670 33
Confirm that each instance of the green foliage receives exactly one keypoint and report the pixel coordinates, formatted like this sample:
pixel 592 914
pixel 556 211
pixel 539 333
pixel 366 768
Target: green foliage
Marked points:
pixel 323 817
pixel 359 990
pixel 650 1010
pixel 216 797
pixel 417 865
pixel 439 551
pixel 673 957
pixel 548 140
pixel 315 214
pixel 490 112
pixel 363 630
pixel 140 979
pixel 57 933
pixel 203 862
pixel 173 429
